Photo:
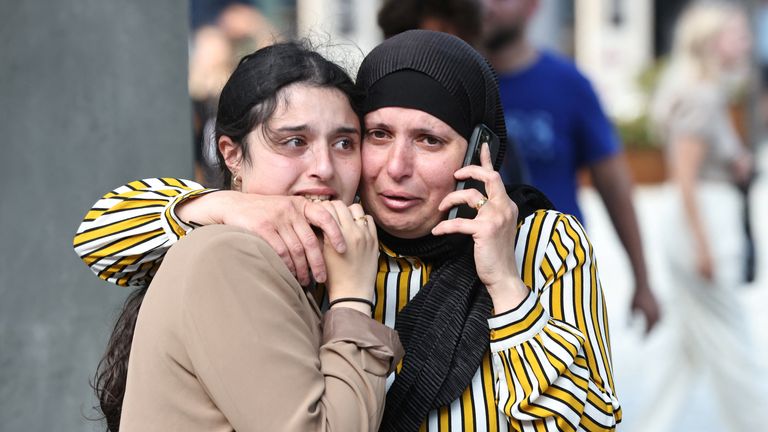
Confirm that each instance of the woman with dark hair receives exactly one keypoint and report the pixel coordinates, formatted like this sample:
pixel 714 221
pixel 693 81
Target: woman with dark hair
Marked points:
pixel 227 338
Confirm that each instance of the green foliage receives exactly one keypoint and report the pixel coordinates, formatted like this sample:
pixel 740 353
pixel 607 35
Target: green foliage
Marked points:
pixel 636 132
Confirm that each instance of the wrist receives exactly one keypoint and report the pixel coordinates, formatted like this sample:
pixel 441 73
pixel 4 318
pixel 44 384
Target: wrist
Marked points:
pixel 201 210
pixel 359 304
pixel 508 293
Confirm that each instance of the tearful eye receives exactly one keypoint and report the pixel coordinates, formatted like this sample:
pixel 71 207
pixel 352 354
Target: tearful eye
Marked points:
pixel 294 142
pixel 431 140
pixel 377 134
pixel 344 144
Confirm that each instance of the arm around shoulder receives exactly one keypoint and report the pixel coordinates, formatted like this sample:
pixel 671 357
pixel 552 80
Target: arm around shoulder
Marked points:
pixel 124 236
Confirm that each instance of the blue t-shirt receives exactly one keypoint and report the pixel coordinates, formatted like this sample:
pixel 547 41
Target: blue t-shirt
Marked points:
pixel 554 116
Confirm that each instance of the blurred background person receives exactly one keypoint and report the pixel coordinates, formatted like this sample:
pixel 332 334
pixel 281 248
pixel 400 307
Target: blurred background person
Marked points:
pixel 462 18
pixel 704 241
pixel 211 61
pixel 229 34
pixel 556 119
pixel 247 28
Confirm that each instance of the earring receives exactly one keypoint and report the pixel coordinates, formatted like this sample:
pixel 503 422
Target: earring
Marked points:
pixel 237 181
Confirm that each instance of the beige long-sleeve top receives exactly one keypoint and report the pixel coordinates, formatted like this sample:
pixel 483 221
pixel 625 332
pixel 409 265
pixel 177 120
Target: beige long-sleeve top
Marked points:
pixel 227 339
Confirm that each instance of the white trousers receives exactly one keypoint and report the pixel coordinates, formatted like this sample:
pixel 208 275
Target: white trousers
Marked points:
pixel 711 334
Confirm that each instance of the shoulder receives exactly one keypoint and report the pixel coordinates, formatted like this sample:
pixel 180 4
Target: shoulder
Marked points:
pixel 219 254
pixel 564 66
pixel 695 110
pixel 219 269
pixel 539 217
pixel 700 97
pixel 543 225
pixel 215 243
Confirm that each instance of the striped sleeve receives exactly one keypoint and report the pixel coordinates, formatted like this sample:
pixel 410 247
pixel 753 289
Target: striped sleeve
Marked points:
pixel 551 354
pixel 124 236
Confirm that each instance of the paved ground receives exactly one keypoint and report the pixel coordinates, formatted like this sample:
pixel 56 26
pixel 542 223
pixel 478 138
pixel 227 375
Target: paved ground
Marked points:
pixel 632 351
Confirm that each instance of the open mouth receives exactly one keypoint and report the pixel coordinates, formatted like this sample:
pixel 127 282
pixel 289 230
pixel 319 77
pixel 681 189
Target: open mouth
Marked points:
pixel 398 202
pixel 318 198
pixel 396 198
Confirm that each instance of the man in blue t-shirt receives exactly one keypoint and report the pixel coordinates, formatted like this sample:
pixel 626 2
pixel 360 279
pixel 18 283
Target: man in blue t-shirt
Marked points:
pixel 554 116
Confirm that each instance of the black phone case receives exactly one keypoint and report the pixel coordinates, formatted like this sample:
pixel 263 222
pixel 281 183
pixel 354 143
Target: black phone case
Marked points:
pixel 480 134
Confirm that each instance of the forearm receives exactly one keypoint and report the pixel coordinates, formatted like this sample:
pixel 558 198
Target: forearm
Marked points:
pixel 557 339
pixel 124 236
pixel 544 372
pixel 205 210
pixel 687 160
pixel 614 185
pixel 508 294
pixel 357 355
pixel 691 208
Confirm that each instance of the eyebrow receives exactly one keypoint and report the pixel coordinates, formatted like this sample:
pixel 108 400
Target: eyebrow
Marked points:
pixel 347 130
pixel 428 131
pixel 303 127
pixel 379 125
pixel 297 128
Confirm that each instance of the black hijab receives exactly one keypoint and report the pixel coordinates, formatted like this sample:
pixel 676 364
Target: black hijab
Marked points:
pixel 444 328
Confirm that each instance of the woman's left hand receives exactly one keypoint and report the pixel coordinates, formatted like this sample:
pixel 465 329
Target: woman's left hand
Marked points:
pixel 493 231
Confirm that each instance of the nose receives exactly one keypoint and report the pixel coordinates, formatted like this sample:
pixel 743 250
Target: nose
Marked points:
pixel 321 167
pixel 400 163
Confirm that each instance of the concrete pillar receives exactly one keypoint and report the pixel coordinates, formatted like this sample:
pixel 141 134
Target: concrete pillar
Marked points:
pixel 93 93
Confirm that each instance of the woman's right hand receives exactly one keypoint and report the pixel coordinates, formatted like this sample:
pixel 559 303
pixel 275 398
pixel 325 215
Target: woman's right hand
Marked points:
pixel 352 273
pixel 285 222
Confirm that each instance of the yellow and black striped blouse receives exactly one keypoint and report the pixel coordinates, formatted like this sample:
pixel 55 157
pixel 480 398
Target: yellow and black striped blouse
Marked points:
pixel 548 367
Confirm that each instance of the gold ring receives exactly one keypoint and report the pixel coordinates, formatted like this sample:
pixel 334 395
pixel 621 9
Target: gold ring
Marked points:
pixel 481 203
pixel 361 218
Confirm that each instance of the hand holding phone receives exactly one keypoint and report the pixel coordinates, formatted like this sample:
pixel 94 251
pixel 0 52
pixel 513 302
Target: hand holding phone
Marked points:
pixel 481 135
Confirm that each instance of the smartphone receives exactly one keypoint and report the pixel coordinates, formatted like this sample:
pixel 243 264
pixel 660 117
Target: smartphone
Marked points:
pixel 481 135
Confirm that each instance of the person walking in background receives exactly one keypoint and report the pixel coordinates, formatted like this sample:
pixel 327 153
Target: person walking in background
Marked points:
pixel 554 116
pixel 704 239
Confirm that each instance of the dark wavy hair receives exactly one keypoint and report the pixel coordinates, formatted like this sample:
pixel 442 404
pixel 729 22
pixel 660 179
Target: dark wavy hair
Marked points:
pixel 248 100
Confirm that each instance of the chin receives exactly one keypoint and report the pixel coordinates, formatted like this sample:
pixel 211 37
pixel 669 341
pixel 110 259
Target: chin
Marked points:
pixel 404 231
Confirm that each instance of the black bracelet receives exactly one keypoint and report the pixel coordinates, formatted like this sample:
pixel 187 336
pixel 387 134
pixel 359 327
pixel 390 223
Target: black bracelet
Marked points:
pixel 351 299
